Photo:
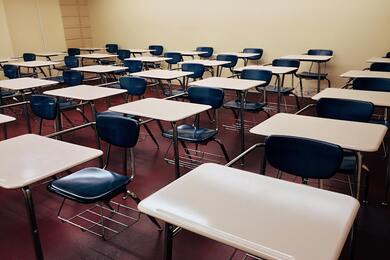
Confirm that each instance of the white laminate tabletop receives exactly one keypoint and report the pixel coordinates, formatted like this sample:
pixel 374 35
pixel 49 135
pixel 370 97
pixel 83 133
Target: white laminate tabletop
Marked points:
pixel 378 98
pixel 241 55
pixel 379 60
pixel 191 53
pixel 97 56
pixel 100 68
pixel 207 63
pixel 92 49
pixel 34 64
pixel 25 83
pixel 271 218
pixel 306 57
pixel 139 50
pixel 29 158
pixel 273 69
pixel 161 109
pixel 227 83
pixel 350 135
pixel 149 59
pixel 366 74
pixel 162 74
pixel 49 54
pixel 3 60
pixel 85 92
pixel 6 119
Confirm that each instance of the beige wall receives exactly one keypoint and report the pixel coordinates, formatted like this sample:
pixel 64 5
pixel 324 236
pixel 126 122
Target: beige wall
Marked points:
pixel 6 49
pixel 34 25
pixel 354 29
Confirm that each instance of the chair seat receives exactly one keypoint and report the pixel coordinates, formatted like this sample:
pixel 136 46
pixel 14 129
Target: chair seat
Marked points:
pixel 90 185
pixel 59 79
pixel 189 133
pixel 312 75
pixel 348 164
pixel 66 104
pixel 381 122
pixel 112 113
pixel 107 62
pixel 63 67
pixel 283 90
pixel 248 106
pixel 6 93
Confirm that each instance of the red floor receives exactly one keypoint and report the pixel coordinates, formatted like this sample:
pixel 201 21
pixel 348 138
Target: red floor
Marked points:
pixel 142 240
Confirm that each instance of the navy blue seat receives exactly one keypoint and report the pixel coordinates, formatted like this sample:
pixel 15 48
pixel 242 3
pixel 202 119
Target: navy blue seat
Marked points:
pixel 92 185
pixel 250 106
pixel 175 58
pixel 123 54
pixel 306 158
pixel 29 57
pixel 196 68
pixel 44 107
pixel 380 67
pixel 111 48
pixel 311 75
pixel 193 133
pixel 387 55
pixel 257 51
pixel 70 62
pixel 71 78
pixel 73 51
pixel 10 71
pixel 133 65
pixel 232 62
pixel 156 50
pixel 350 110
pixel 209 52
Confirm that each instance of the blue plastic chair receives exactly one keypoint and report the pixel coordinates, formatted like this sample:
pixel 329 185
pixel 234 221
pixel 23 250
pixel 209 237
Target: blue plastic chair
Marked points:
pixel 380 67
pixel 387 55
pixel 95 185
pixel 193 133
pixel 209 52
pixel 176 57
pixel 112 48
pixel 350 110
pixel 44 107
pixel 302 157
pixel 123 54
pixel 196 68
pixel 228 57
pixel 258 51
pixel 73 77
pixel 70 62
pixel 73 51
pixel 29 57
pixel 10 71
pixel 372 84
pixel 133 65
pixel 156 50
pixel 250 106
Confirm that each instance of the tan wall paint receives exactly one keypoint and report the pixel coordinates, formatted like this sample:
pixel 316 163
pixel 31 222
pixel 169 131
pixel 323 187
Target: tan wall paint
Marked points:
pixel 6 49
pixel 354 29
pixel 35 25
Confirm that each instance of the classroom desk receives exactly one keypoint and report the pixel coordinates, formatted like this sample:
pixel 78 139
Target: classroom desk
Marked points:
pixel 92 49
pixel 97 57
pixel 160 75
pixel 21 161
pixel 355 136
pixel 138 51
pixel 164 110
pixel 265 216
pixel 36 64
pixel 22 85
pixel 4 119
pixel 6 60
pixel 48 55
pixel 149 60
pixel 311 58
pixel 241 86
pixel 102 70
pixel 379 60
pixel 279 72
pixel 191 54
pixel 241 55
pixel 353 74
pixel 209 64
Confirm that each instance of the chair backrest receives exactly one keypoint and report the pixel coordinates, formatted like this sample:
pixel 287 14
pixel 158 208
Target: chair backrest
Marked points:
pixel 112 48
pixel 206 96
pixel 135 86
pixel 320 52
pixel 176 57
pixel 156 50
pixel 387 55
pixel 196 68
pixel 286 63
pixel 344 109
pixel 259 51
pixel 209 51
pixel 228 57
pixel 73 51
pixel 303 157
pixel 45 107
pixel 254 74
pixel 123 54
pixel 29 57
pixel 73 78
pixel 372 84
pixel 71 61
pixel 10 71
pixel 380 67
pixel 133 65
pixel 118 130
